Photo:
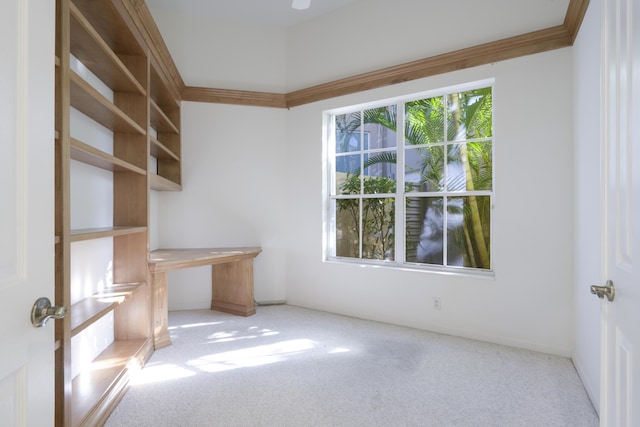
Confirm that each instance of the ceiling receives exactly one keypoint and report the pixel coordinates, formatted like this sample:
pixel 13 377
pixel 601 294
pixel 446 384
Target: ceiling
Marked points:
pixel 264 12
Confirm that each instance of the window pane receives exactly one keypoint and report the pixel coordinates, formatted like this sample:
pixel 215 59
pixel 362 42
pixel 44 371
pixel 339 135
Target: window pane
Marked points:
pixel 378 221
pixel 476 156
pixel 348 133
pixel 468 231
pixel 348 164
pixel 424 225
pixel 348 228
pixel 456 176
pixel 424 168
pixel 481 164
pixel 379 175
pixel 347 174
pixel 470 115
pixel 380 127
pixel 424 121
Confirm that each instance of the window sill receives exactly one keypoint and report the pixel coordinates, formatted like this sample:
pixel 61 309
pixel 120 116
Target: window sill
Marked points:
pixel 445 271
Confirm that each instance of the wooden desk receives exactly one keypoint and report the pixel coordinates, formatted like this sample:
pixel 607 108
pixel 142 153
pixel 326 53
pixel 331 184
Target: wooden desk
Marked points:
pixel 231 281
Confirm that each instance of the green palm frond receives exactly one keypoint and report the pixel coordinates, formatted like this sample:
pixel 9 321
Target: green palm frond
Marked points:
pixel 385 157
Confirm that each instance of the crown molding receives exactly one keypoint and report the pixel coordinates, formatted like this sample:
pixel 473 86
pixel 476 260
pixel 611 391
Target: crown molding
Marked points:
pixel 239 97
pixel 575 14
pixel 512 47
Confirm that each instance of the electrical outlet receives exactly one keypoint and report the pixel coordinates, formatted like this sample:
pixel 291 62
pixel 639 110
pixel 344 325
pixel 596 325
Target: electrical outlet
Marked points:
pixel 437 304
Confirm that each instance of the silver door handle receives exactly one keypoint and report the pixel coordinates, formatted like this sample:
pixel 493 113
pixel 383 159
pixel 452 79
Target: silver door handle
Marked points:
pixel 608 291
pixel 42 311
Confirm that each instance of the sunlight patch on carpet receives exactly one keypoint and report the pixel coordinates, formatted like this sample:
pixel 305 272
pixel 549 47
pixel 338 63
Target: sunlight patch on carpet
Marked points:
pixel 220 337
pixel 253 356
pixel 160 373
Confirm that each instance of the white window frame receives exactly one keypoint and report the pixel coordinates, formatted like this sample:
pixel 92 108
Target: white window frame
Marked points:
pixel 328 198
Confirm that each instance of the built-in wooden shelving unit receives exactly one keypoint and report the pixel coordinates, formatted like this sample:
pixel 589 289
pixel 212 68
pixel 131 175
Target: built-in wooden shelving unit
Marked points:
pixel 144 118
pixel 165 145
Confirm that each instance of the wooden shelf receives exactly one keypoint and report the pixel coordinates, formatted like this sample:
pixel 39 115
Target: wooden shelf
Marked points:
pixel 160 183
pixel 98 389
pixel 93 104
pixel 99 233
pixel 159 91
pixel 164 108
pixel 92 156
pixel 160 151
pixel 108 19
pixel 160 121
pixel 86 312
pixel 97 56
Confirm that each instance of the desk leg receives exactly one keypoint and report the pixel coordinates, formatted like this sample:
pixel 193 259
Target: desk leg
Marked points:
pixel 160 310
pixel 232 287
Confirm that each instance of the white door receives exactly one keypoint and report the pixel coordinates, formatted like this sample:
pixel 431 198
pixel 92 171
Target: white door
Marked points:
pixel 620 369
pixel 27 38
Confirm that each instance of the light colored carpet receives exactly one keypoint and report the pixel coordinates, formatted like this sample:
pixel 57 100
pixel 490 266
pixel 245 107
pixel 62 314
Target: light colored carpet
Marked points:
pixel 289 366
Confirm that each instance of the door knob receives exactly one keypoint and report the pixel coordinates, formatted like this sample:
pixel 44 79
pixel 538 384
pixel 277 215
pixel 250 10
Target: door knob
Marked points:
pixel 608 291
pixel 42 311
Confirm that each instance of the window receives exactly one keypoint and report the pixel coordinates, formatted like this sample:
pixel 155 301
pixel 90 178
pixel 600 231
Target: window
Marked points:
pixel 419 198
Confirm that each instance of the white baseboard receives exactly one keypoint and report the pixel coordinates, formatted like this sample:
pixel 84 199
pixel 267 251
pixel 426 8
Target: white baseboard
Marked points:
pixel 270 302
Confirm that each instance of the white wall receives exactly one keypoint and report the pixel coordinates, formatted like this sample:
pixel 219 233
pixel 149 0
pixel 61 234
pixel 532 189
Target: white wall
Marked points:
pixel 234 194
pixel 529 302
pixel 588 241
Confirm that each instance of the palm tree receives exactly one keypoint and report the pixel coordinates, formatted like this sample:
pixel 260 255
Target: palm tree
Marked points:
pixel 474 115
